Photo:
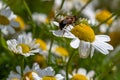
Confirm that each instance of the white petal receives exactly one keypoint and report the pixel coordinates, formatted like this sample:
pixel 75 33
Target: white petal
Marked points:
pixel 59 33
pixel 92 51
pixel 91 74
pixel 35 51
pixel 18 69
pixel 14 24
pixel 35 66
pixel 100 47
pixel 6 12
pixel 68 34
pixel 55 23
pixel 10 30
pixel 35 76
pixel 84 49
pixel 75 43
pixel 59 77
pixel 82 71
pixel 102 38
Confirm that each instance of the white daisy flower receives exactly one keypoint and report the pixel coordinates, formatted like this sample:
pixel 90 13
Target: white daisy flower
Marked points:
pixel 81 74
pixel 27 73
pixel 39 18
pixel 23 45
pixel 60 51
pixel 49 74
pixel 14 76
pixel 86 41
pixel 7 24
pixel 60 55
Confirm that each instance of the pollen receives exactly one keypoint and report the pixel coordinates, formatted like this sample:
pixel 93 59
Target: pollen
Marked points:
pixel 4 20
pixel 61 51
pixel 28 75
pixel 43 45
pixel 79 77
pixel 25 48
pixel 103 15
pixel 84 32
pixel 21 22
pixel 49 78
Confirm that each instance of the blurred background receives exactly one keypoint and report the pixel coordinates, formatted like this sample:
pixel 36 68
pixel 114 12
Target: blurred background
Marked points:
pixel 103 16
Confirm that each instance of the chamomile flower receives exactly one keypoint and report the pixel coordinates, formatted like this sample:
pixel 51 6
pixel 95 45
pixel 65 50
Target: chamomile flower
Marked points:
pixel 21 22
pixel 23 45
pixel 40 59
pixel 14 76
pixel 60 55
pixel 102 15
pixel 7 25
pixel 27 73
pixel 81 74
pixel 42 44
pixel 60 51
pixel 86 41
pixel 49 74
pixel 40 18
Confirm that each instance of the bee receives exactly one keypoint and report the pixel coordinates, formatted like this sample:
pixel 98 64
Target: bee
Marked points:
pixel 67 21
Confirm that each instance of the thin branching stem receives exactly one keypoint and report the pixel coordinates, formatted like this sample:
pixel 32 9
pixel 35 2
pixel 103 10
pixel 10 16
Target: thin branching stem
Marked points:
pixel 30 14
pixel 68 64
pixel 83 8
pixel 49 55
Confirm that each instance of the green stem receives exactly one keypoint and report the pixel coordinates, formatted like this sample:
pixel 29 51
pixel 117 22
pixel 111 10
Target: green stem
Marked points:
pixel 67 65
pixel 61 4
pixel 83 7
pixel 3 42
pixel 49 55
pixel 22 66
pixel 30 14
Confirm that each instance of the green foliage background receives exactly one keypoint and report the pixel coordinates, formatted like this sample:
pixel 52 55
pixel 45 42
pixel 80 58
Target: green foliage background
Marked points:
pixel 102 64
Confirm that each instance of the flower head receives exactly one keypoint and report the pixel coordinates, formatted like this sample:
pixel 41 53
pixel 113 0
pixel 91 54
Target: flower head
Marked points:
pixel 60 51
pixel 81 74
pixel 103 15
pixel 83 32
pixel 42 44
pixel 21 22
pixel 23 45
pixel 27 73
pixel 86 41
pixel 89 41
pixel 7 25
pixel 49 74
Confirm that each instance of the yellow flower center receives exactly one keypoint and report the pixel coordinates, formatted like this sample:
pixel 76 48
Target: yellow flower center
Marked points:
pixel 4 20
pixel 40 59
pixel 84 1
pixel 79 77
pixel 49 78
pixel 28 75
pixel 15 79
pixel 103 15
pixel 25 48
pixel 43 45
pixel 84 32
pixel 61 51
